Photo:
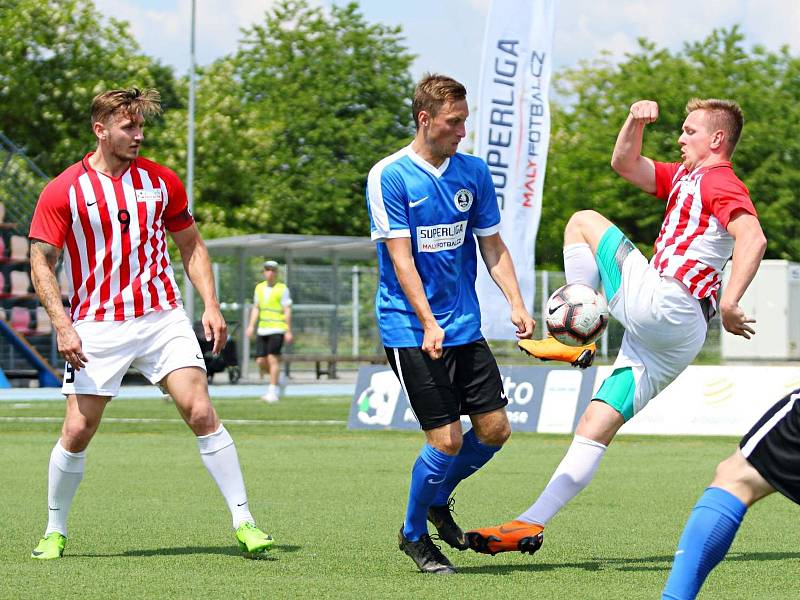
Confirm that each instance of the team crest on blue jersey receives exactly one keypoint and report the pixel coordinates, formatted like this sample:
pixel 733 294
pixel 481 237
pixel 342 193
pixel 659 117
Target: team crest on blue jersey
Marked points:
pixel 463 199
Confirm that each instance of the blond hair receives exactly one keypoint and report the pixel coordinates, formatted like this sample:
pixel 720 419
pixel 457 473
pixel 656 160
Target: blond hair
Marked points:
pixel 432 92
pixel 133 101
pixel 722 114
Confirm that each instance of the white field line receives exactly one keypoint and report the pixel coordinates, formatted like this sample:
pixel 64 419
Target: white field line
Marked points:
pixel 132 420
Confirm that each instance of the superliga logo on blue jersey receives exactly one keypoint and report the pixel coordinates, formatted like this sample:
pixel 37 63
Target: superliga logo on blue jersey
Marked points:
pixel 435 238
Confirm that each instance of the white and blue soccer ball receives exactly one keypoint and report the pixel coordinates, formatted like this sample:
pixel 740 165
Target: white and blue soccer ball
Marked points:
pixel 576 314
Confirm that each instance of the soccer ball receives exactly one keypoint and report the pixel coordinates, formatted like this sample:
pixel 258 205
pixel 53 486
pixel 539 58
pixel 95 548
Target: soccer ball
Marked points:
pixel 576 314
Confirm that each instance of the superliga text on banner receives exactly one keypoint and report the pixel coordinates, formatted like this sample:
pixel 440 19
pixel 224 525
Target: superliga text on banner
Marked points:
pixel 512 136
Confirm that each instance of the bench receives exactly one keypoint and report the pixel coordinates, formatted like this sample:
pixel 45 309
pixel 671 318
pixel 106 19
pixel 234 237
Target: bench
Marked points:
pixel 21 373
pixel 325 364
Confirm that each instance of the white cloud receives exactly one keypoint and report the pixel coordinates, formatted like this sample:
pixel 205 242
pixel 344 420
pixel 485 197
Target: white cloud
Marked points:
pixel 585 27
pixel 448 33
pixel 481 5
pixel 165 32
pixel 774 23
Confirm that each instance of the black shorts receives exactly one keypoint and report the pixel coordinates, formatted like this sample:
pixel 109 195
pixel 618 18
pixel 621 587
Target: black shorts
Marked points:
pixel 464 381
pixel 269 344
pixel 772 446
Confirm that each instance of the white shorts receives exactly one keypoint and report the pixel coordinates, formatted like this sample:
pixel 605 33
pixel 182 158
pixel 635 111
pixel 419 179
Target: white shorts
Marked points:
pixel 665 328
pixel 155 344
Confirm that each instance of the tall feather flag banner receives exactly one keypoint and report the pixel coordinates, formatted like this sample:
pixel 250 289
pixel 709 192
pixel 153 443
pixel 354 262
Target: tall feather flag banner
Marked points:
pixel 512 136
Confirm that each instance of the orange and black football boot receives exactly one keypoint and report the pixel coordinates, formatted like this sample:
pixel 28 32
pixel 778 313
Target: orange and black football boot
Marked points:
pixel 512 536
pixel 551 349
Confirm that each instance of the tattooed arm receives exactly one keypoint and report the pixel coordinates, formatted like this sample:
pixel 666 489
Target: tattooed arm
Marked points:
pixel 44 257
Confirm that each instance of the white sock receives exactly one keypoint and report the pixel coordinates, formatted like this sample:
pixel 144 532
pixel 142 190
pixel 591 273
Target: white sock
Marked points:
pixel 64 474
pixel 273 389
pixel 574 473
pixel 220 458
pixel 580 266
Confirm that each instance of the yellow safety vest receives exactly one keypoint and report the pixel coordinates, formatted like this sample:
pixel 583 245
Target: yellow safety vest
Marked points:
pixel 270 309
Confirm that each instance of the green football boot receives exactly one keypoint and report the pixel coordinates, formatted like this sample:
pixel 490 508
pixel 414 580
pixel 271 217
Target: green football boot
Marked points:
pixel 252 541
pixel 50 546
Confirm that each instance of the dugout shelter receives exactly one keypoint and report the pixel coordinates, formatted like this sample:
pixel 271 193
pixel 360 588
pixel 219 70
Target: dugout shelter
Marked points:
pixel 332 280
pixel 288 249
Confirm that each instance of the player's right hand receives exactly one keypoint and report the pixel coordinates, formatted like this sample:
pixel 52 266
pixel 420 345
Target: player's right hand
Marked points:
pixel 735 321
pixel 215 328
pixel 524 321
pixel 432 341
pixel 645 111
pixel 71 348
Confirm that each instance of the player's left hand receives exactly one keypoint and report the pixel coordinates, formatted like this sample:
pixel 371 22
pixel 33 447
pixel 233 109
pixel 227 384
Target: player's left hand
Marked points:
pixel 215 328
pixel 524 321
pixel 735 321
pixel 433 341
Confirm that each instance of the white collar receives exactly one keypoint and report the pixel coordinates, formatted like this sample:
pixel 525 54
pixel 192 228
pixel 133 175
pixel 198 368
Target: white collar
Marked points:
pixel 416 158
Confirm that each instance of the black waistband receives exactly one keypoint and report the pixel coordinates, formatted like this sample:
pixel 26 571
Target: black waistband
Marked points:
pixel 707 308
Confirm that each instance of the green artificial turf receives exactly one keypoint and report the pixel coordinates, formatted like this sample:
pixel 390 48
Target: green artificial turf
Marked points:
pixel 148 521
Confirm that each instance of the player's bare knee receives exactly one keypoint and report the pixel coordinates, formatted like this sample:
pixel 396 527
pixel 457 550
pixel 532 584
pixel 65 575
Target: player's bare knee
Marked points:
pixel 202 417
pixel 572 230
pixel 722 471
pixel 447 440
pixel 492 428
pixel 502 435
pixel 76 435
pixel 580 220
pixel 600 423
pixel 735 475
pixel 497 435
pixel 203 420
pixel 730 472
pixel 450 446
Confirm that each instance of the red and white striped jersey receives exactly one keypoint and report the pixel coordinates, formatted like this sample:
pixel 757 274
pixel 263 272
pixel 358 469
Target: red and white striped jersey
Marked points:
pixel 113 230
pixel 694 244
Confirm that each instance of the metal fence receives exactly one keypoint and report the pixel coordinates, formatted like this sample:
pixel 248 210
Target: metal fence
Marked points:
pixel 21 181
pixel 334 312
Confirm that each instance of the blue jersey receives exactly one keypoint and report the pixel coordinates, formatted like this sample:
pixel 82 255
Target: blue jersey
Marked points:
pixel 439 209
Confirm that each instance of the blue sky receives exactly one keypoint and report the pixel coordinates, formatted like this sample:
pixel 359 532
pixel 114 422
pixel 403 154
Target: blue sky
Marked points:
pixel 446 35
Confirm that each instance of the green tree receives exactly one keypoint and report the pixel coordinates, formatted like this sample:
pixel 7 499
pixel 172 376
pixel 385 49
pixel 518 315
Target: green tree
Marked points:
pixel 55 56
pixel 765 84
pixel 320 97
pixel 227 140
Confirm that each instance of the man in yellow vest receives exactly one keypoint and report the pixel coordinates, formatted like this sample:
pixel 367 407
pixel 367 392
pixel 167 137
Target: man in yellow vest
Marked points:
pixel 272 311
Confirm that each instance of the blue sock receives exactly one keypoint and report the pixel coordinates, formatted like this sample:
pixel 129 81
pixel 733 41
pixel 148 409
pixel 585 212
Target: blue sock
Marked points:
pixel 473 455
pixel 706 538
pixel 426 477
